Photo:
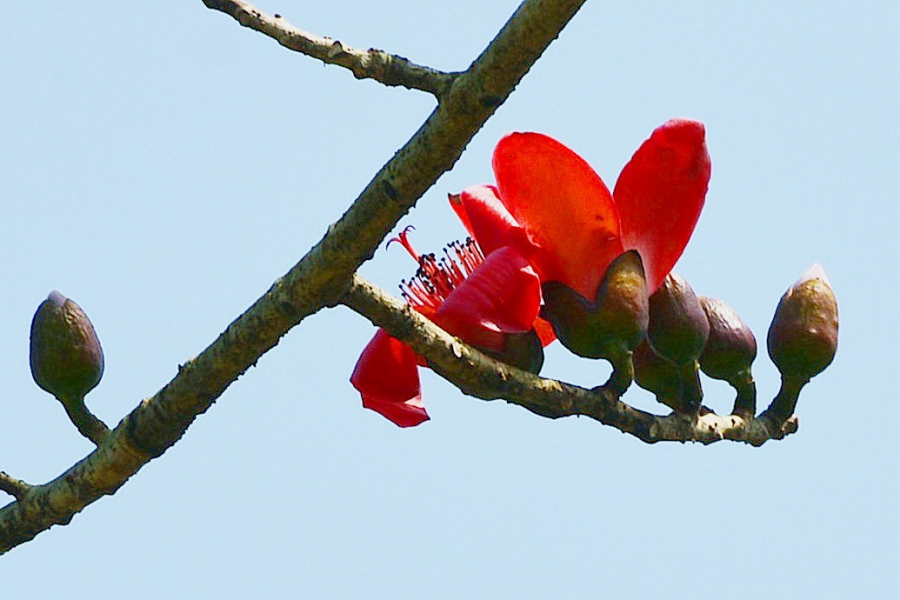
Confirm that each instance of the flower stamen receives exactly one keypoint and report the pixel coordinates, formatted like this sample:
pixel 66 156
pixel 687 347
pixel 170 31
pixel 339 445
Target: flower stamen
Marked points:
pixel 436 278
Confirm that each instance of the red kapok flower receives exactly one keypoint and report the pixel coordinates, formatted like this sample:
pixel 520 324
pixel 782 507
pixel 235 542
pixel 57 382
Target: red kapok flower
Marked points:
pixel 483 300
pixel 551 205
pixel 549 219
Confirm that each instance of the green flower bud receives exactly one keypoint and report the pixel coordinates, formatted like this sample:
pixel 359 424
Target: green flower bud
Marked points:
pixel 678 327
pixel 614 323
pixel 657 375
pixel 730 348
pixel 803 335
pixel 66 358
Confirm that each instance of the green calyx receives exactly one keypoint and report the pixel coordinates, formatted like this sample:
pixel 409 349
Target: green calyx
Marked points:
pixel 610 326
pixel 657 375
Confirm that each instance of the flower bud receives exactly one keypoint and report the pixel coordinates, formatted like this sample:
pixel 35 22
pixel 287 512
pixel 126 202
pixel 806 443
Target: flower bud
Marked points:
pixel 731 347
pixel 678 327
pixel 657 375
pixel 521 350
pixel 66 358
pixel 610 326
pixel 803 335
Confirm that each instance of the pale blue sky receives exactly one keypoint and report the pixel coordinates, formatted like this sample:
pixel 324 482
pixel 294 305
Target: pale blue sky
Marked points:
pixel 162 166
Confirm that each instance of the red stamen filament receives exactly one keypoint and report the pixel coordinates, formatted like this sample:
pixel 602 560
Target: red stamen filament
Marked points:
pixel 436 278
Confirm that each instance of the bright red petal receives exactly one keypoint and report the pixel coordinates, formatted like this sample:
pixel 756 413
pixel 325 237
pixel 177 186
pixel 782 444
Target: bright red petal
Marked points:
pixel 457 205
pixel 387 377
pixel 489 222
pixel 545 331
pixel 660 194
pixel 563 204
pixel 502 295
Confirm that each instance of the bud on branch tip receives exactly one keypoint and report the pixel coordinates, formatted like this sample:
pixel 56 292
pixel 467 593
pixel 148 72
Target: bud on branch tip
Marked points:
pixel 803 336
pixel 67 360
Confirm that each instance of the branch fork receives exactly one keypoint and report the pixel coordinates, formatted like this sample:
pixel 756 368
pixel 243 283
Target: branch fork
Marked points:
pixel 388 69
pixel 320 278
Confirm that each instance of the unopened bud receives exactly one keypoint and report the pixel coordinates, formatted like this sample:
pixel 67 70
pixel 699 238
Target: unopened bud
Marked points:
pixel 614 323
pixel 655 374
pixel 678 327
pixel 66 358
pixel 730 348
pixel 803 336
pixel 521 350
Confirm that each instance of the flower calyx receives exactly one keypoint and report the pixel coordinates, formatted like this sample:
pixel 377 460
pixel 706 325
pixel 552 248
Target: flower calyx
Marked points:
pixel 611 326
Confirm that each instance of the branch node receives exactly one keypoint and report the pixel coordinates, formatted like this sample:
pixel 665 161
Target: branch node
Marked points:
pixel 317 279
pixel 14 487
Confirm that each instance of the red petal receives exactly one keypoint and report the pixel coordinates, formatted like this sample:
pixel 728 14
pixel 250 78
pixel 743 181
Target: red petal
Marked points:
pixel 489 222
pixel 545 331
pixel 456 204
pixel 388 379
pixel 660 194
pixel 564 205
pixel 502 295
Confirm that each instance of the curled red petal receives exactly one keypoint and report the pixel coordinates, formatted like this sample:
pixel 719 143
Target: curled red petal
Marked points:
pixel 489 222
pixel 502 295
pixel 660 194
pixel 387 377
pixel 563 204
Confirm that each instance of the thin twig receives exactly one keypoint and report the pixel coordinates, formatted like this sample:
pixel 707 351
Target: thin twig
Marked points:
pixel 479 375
pixel 12 486
pixel 379 65
pixel 318 280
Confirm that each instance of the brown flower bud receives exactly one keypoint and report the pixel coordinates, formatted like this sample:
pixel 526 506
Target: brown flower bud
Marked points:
pixel 521 350
pixel 66 358
pixel 730 348
pixel 610 326
pixel 678 326
pixel 803 335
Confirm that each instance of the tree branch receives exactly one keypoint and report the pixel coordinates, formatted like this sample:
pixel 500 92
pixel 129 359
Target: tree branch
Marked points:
pixel 379 65
pixel 318 280
pixel 479 375
pixel 12 486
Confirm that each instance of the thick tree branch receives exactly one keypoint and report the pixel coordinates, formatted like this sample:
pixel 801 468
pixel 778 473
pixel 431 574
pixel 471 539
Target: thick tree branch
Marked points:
pixel 479 375
pixel 379 65
pixel 318 280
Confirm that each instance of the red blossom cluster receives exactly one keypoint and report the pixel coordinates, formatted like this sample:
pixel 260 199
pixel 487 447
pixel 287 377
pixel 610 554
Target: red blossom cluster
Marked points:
pixel 549 219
